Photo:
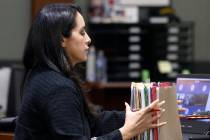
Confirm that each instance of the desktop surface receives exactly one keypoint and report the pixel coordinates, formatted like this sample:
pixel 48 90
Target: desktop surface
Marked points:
pixel 189 136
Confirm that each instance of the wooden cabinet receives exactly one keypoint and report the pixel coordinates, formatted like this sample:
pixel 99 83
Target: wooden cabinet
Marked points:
pixel 38 4
pixel 111 96
pixel 6 136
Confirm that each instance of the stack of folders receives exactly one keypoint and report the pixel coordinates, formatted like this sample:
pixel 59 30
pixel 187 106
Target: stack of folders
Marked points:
pixel 142 94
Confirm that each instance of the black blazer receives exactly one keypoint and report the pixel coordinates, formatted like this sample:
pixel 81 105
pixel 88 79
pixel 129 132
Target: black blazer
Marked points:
pixel 53 108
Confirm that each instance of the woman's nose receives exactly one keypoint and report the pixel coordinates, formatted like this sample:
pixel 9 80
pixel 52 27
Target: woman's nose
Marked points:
pixel 88 39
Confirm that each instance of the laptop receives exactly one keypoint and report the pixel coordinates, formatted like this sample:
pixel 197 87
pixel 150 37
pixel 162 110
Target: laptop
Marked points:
pixel 194 91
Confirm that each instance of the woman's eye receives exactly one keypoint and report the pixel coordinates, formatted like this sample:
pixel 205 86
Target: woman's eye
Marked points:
pixel 82 32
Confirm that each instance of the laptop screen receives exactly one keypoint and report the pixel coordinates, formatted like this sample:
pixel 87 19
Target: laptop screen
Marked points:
pixel 194 91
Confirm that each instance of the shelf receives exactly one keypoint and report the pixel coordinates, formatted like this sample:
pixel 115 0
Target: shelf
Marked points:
pixel 110 85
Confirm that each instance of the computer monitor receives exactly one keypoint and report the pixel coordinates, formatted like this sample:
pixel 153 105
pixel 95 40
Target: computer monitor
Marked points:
pixel 194 92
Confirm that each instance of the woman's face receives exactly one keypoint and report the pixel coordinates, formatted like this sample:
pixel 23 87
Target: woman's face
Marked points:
pixel 76 46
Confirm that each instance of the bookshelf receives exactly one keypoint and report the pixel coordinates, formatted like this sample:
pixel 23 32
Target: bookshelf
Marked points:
pixel 132 48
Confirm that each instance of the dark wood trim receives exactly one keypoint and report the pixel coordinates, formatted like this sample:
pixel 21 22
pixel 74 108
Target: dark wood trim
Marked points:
pixel 109 85
pixel 6 136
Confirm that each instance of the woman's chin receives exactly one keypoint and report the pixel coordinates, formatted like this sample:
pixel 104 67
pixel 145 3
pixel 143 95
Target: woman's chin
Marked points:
pixel 83 60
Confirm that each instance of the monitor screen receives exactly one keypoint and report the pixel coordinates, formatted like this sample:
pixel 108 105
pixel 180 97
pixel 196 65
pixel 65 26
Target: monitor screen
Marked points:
pixel 194 91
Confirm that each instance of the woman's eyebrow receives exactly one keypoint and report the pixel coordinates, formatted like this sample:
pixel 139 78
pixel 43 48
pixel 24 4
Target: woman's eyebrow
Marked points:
pixel 82 28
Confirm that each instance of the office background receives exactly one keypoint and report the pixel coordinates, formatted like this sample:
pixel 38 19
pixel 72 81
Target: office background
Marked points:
pixel 16 18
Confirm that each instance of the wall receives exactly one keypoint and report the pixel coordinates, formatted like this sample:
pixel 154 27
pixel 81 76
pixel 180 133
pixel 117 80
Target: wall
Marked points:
pixel 84 6
pixel 14 25
pixel 15 22
pixel 197 11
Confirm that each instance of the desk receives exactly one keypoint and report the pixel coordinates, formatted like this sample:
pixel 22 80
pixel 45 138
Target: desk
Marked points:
pixel 10 136
pixel 186 136
pixel 6 136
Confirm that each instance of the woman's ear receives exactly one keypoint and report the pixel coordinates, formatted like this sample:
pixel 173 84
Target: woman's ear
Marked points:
pixel 63 42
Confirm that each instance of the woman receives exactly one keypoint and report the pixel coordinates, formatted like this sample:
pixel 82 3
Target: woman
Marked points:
pixel 53 106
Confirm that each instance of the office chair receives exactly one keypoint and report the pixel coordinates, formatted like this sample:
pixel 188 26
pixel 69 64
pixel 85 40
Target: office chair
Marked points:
pixel 7 128
pixel 8 124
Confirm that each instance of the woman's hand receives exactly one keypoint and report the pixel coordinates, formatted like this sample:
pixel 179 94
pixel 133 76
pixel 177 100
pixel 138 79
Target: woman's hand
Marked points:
pixel 180 109
pixel 139 121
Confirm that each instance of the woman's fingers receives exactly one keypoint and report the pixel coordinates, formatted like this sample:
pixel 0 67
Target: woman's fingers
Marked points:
pixel 157 115
pixel 181 116
pixel 158 124
pixel 154 106
pixel 179 101
pixel 155 118
pixel 154 103
pixel 161 103
pixel 181 109
pixel 127 107
pixel 151 106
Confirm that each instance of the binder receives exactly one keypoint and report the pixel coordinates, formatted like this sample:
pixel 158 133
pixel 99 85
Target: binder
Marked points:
pixel 143 94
